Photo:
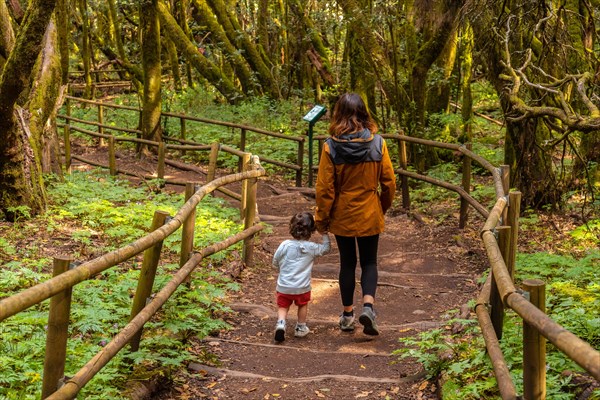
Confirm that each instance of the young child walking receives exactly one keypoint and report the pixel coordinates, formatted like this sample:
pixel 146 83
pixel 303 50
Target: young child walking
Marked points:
pixel 295 259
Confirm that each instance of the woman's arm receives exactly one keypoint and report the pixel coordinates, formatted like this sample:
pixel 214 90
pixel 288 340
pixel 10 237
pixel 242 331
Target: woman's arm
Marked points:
pixel 387 180
pixel 325 190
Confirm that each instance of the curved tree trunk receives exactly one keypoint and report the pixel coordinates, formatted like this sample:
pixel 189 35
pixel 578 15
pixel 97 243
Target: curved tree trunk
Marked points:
pixel 181 16
pixel 42 105
pixel 317 54
pixel 243 73
pixel 151 100
pixel 62 24
pixel 236 35
pixel 466 67
pixel 200 63
pixel 21 182
pixel 86 52
pixel 7 36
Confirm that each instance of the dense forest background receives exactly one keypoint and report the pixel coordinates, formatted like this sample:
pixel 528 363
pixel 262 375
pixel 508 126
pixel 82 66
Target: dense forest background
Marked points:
pixel 414 62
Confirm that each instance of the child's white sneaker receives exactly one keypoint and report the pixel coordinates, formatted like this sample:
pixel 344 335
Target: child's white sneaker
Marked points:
pixel 301 330
pixel 280 331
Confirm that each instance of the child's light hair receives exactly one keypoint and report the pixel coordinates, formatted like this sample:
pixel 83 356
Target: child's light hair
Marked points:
pixel 302 225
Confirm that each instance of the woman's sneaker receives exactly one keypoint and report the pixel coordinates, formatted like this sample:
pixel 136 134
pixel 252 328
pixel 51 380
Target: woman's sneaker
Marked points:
pixel 280 331
pixel 367 319
pixel 301 330
pixel 347 323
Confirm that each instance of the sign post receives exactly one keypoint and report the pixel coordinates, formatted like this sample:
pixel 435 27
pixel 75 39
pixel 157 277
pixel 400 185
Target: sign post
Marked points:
pixel 312 117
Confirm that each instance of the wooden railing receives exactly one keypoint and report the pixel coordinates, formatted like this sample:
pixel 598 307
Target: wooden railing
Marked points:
pixel 185 145
pixel 59 288
pixel 499 236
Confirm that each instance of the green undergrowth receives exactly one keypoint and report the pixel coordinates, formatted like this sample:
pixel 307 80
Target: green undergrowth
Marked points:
pixel 572 300
pixel 282 116
pixel 91 214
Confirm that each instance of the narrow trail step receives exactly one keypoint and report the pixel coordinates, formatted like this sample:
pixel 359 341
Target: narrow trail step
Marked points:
pixel 294 348
pixel 345 378
pixel 262 311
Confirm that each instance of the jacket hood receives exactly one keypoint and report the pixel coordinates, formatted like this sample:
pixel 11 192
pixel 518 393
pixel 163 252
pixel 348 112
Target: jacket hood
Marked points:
pixel 352 148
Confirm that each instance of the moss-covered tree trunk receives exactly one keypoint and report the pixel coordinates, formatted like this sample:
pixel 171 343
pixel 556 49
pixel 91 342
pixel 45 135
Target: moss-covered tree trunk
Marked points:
pixel 45 91
pixel 151 99
pixel 316 51
pixel 63 28
pixel 262 27
pixel 365 45
pixel 21 183
pixel 466 67
pixel 229 22
pixel 86 52
pixel 200 63
pixel 181 16
pixel 438 98
pixel 7 35
pixel 206 18
pixel 586 167
pixel 531 169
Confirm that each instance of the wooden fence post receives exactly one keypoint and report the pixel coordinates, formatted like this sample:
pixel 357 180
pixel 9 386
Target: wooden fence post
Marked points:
pixel 100 122
pixel 505 176
pixel 212 162
pixel 160 169
pixel 187 231
pixel 534 346
pixel 67 140
pixel 58 332
pixel 112 161
pixel 300 162
pixel 246 165
pixel 466 184
pixel 496 304
pixel 147 274
pixel 514 210
pixel 403 178
pixel 250 213
pixel 242 161
pixel 182 132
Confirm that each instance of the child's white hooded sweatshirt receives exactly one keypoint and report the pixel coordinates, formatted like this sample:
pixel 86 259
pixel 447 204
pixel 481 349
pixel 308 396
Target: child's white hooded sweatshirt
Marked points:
pixel 295 259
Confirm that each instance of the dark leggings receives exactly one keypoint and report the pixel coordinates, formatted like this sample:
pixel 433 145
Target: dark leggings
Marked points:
pixel 367 251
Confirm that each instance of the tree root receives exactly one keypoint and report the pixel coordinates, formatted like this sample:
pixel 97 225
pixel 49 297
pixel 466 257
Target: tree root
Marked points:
pixel 317 378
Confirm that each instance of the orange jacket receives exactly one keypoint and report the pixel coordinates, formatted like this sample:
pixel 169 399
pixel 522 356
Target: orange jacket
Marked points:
pixel 353 196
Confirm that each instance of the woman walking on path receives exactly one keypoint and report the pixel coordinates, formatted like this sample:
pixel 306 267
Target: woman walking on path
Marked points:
pixel 355 187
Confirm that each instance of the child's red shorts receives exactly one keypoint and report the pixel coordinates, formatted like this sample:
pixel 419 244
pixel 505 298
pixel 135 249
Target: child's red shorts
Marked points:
pixel 286 300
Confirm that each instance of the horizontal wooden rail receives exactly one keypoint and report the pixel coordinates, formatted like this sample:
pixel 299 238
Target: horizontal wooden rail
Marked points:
pixel 575 348
pixel 234 125
pixel 120 340
pixel 102 103
pixel 98 71
pixel 94 123
pixel 196 119
pixel 33 295
pixel 474 203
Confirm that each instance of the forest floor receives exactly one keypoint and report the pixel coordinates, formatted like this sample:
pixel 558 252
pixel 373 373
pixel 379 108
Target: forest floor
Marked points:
pixel 428 270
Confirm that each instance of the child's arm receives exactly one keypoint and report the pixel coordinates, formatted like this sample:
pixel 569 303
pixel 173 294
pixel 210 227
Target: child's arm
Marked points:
pixel 277 256
pixel 325 246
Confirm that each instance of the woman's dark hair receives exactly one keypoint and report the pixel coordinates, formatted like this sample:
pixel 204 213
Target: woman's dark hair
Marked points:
pixel 350 115
pixel 302 225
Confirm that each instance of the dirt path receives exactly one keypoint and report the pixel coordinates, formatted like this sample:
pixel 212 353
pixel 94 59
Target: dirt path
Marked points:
pixel 428 270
